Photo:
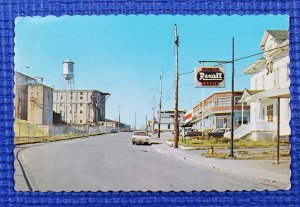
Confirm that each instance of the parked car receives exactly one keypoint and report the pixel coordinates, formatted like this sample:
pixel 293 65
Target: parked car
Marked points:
pixel 217 133
pixel 193 133
pixel 140 137
pixel 113 131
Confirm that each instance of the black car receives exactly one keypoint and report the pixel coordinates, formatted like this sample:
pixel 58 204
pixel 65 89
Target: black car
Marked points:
pixel 113 131
pixel 193 133
pixel 217 133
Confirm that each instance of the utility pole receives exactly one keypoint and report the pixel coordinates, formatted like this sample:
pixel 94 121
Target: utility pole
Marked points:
pixel 146 124
pixel 176 124
pixel 119 119
pixel 159 119
pixel 134 121
pixel 232 101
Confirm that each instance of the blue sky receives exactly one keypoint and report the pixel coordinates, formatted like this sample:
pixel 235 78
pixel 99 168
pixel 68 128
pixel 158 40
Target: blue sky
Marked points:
pixel 123 55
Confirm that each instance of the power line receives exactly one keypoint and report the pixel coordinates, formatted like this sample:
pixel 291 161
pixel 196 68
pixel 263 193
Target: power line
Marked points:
pixel 242 58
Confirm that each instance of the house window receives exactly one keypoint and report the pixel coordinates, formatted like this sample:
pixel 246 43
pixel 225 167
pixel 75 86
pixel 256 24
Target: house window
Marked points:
pixel 276 77
pixel 237 99
pixel 255 84
pixel 270 113
pixel 263 82
pixel 223 101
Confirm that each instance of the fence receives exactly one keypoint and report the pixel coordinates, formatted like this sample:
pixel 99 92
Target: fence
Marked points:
pixel 27 132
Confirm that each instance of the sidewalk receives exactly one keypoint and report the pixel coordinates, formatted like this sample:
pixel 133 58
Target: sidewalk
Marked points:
pixel 262 169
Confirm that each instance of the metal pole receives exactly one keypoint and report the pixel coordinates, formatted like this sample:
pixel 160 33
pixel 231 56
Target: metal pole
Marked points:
pixel 278 130
pixel 160 98
pixel 119 119
pixel 176 124
pixel 243 113
pixel 134 120
pixel 232 101
pixel 202 106
pixel 146 124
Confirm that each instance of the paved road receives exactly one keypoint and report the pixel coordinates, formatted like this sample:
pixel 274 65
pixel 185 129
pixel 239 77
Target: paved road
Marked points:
pixel 111 162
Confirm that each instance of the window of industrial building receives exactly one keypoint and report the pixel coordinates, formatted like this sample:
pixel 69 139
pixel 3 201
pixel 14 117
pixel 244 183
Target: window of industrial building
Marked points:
pixel 81 112
pixel 81 104
pixel 223 101
pixel 169 126
pixel 270 113
pixel 61 97
pixel 81 93
pixel 70 111
pixel 81 97
pixel 80 121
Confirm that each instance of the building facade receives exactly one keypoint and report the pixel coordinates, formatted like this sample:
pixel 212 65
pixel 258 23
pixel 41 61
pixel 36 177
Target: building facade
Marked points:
pixel 80 106
pixel 269 94
pixel 215 112
pixel 167 120
pixel 40 104
pixel 21 94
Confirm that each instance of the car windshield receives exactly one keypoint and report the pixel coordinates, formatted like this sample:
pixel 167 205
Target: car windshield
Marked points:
pixel 140 133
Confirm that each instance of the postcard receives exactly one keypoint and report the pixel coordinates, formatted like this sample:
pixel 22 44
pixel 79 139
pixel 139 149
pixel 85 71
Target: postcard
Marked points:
pixel 152 103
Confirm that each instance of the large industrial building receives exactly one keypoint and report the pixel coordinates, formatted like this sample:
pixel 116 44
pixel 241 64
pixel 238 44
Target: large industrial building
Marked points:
pixel 40 103
pixel 21 94
pixel 80 106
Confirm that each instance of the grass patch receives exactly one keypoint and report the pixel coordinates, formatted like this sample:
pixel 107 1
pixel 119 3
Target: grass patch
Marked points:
pixel 248 155
pixel 225 142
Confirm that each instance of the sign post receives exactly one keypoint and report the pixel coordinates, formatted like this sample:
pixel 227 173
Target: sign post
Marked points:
pixel 214 77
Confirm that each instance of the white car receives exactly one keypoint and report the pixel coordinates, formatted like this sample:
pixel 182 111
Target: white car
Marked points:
pixel 140 137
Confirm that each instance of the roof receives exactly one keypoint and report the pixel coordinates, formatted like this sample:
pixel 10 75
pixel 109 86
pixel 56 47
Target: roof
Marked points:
pixel 279 34
pixel 252 92
pixel 85 91
pixel 68 61
pixel 271 93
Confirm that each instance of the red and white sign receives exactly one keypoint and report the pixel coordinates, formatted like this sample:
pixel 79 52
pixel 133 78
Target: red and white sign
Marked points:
pixel 209 77
pixel 188 116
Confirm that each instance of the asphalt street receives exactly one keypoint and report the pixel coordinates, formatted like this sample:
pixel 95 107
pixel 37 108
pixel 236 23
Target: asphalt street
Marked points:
pixel 111 163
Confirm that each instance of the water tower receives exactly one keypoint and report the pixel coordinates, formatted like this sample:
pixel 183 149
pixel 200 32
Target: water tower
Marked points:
pixel 69 111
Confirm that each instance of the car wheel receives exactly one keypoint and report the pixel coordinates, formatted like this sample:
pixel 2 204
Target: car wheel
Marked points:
pixel 133 143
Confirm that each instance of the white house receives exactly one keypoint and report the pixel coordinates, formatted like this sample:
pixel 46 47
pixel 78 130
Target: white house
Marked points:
pixel 167 120
pixel 269 94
